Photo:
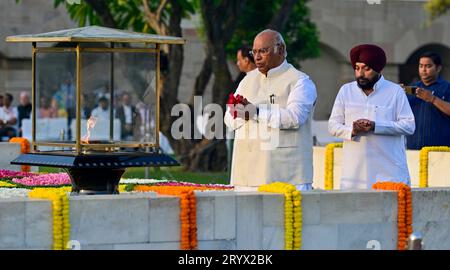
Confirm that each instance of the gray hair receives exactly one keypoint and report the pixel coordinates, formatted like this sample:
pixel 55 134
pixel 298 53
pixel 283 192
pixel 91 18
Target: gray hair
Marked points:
pixel 24 93
pixel 278 38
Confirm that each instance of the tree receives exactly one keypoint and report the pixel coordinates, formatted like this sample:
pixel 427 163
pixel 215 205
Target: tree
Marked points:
pixel 160 17
pixel 219 21
pixel 229 24
pixel 289 17
pixel 437 8
pixel 226 24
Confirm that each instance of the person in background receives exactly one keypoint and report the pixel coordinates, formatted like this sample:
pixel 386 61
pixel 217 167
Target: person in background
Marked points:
pixel 86 107
pixel 244 60
pixel 24 109
pixel 8 118
pixel 102 110
pixel 130 119
pixel 66 99
pixel 430 105
pixel 46 110
pixel 245 63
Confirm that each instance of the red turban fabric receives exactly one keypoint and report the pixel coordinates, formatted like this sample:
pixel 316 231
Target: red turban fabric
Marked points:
pixel 369 54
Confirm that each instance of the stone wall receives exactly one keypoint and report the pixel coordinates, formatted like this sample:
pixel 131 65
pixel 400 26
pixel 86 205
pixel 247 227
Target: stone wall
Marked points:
pixel 228 220
pixel 25 17
pixel 438 170
pixel 9 151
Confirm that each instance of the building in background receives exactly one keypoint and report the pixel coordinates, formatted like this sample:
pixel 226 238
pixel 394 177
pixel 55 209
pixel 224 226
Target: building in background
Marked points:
pixel 399 26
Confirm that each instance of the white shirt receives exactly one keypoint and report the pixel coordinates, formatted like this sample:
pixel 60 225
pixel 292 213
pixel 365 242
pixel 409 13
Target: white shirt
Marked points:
pixel 379 155
pixel 100 113
pixel 6 114
pixel 285 98
pixel 300 103
pixel 128 115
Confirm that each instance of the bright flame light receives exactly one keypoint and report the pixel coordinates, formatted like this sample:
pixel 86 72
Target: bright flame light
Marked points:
pixel 89 125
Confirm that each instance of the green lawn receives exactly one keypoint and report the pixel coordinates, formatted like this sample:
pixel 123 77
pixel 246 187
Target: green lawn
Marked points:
pixel 168 173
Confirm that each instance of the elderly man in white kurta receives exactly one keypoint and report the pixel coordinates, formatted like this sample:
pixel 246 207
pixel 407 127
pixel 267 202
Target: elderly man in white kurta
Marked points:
pixel 273 141
pixel 373 116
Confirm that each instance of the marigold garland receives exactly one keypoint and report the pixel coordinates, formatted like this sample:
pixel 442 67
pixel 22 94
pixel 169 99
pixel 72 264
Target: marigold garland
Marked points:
pixel 61 214
pixel 423 161
pixel 404 210
pixel 24 148
pixel 6 184
pixel 292 212
pixel 122 188
pixel 188 209
pixel 60 203
pixel 329 164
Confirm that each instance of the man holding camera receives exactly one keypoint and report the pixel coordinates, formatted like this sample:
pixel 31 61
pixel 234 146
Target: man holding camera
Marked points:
pixel 430 105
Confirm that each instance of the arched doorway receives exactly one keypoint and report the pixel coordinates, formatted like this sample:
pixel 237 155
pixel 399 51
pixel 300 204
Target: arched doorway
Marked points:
pixel 408 72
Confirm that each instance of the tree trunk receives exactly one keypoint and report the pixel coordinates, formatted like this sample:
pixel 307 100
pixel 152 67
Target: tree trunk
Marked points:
pixel 212 154
pixel 170 78
pixel 208 155
pixel 169 88
pixel 238 79
pixel 202 79
pixel 204 154
pixel 281 18
pixel 102 9
pixel 220 21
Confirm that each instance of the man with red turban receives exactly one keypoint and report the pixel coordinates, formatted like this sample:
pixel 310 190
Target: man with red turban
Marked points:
pixel 372 115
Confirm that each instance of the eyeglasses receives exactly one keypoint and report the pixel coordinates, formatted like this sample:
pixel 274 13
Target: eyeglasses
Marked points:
pixel 262 51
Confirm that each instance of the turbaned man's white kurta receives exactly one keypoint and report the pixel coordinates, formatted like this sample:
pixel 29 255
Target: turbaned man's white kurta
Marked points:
pixel 379 155
pixel 276 145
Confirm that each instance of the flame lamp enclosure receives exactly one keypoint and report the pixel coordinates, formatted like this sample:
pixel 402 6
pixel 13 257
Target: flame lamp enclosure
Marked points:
pixel 95 104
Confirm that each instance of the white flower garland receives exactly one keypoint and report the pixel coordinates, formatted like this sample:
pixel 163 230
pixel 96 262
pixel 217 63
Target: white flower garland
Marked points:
pixel 140 181
pixel 6 193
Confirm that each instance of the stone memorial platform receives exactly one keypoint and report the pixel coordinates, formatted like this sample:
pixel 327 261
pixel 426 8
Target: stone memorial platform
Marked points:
pixel 228 220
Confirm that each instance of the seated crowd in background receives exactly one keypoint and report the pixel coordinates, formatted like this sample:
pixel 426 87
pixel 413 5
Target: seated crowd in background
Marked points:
pixel 98 106
pixel 23 110
pixel 47 109
pixel 8 118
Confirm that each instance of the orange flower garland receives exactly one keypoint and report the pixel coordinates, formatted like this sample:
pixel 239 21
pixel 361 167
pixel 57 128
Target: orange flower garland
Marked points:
pixel 24 148
pixel 404 212
pixel 188 209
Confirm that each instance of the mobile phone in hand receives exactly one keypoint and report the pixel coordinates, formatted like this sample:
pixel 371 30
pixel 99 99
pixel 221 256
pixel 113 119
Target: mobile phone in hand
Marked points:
pixel 410 89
